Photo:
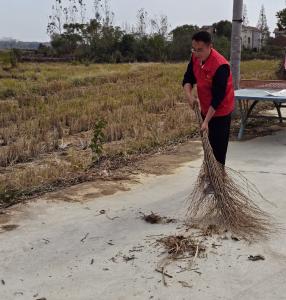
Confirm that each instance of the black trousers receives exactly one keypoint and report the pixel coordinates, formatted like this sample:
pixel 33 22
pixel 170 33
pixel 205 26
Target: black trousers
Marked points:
pixel 219 128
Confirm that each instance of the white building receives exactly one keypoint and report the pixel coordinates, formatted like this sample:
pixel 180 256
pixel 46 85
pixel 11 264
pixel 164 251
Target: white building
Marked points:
pixel 251 38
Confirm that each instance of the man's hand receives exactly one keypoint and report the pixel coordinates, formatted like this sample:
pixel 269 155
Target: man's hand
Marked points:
pixel 193 102
pixel 205 127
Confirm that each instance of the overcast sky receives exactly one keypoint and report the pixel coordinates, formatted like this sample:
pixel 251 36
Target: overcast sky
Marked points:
pixel 27 19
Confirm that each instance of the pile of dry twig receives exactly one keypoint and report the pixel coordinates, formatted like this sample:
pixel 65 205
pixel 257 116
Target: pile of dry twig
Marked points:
pixel 178 245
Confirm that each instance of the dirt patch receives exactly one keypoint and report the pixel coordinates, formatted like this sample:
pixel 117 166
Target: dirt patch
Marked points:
pixel 160 163
pixel 157 219
pixel 167 163
pixel 4 218
pixel 9 227
pixel 89 191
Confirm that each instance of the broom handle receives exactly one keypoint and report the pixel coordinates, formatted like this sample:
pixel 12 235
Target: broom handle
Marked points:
pixel 200 120
pixel 204 137
pixel 208 152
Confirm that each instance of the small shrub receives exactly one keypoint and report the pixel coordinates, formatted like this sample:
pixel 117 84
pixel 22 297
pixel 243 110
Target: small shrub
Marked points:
pixel 97 140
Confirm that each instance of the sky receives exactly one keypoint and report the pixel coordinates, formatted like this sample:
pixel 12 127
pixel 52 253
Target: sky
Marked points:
pixel 26 20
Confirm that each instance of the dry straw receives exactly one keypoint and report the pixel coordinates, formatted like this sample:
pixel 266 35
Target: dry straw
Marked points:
pixel 230 206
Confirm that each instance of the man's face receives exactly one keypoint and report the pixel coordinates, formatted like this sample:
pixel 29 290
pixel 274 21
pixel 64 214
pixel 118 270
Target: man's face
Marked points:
pixel 201 49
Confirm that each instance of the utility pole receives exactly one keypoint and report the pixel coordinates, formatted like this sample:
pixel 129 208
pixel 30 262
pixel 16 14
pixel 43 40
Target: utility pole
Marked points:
pixel 235 57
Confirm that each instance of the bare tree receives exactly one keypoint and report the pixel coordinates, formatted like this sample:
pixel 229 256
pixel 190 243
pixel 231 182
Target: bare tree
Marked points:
pixel 245 16
pixel 82 9
pixel 55 24
pixel 108 15
pixel 97 5
pixel 160 26
pixel 142 20
pixel 262 26
pixel 126 27
pixel 73 10
pixel 66 15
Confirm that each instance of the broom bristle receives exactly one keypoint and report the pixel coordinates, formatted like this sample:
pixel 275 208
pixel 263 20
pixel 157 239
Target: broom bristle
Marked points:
pixel 230 207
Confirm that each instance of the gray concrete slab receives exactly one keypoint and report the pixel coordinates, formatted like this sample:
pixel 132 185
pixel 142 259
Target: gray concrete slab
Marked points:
pixel 63 250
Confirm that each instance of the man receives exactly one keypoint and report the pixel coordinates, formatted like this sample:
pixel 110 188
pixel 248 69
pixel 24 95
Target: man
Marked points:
pixel 211 72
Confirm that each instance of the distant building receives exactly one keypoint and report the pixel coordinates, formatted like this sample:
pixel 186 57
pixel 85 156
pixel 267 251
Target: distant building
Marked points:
pixel 278 33
pixel 251 38
pixel 208 28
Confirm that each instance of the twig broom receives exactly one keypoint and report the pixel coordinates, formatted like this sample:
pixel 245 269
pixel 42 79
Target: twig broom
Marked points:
pixel 230 207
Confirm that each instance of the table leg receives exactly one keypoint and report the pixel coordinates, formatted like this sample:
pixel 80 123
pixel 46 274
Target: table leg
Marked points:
pixel 241 129
pixel 278 106
pixel 244 116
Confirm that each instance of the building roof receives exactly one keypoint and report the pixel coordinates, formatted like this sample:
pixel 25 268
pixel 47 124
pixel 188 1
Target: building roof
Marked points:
pixel 208 28
pixel 276 30
pixel 252 28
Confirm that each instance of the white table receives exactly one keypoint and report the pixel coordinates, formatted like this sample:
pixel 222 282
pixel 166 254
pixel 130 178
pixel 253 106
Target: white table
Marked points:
pixel 243 98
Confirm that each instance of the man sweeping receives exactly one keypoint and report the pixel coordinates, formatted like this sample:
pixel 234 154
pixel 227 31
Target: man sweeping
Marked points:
pixel 218 197
pixel 211 72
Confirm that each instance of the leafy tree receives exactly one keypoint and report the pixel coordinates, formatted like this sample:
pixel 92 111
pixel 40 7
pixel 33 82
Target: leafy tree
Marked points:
pixel 223 28
pixel 98 40
pixel 281 16
pixel 157 45
pixel 127 47
pixel 222 44
pixel 180 48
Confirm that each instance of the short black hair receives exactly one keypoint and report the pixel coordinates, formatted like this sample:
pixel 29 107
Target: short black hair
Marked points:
pixel 202 36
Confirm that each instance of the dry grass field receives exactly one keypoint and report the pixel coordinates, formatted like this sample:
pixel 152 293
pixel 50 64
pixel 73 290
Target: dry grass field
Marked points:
pixel 49 112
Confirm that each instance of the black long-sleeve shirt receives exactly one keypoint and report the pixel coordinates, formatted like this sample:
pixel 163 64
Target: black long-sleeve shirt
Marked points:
pixel 219 82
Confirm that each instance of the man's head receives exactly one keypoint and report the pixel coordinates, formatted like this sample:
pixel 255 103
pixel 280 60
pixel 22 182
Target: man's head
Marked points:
pixel 202 44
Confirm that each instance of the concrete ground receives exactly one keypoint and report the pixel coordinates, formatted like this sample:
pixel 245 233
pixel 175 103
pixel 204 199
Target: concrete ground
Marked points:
pixel 57 250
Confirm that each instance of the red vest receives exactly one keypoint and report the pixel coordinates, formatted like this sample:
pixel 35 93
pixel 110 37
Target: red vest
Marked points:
pixel 204 75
